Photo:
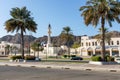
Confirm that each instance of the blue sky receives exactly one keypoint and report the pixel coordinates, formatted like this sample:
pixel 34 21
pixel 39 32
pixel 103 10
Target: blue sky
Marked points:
pixel 58 13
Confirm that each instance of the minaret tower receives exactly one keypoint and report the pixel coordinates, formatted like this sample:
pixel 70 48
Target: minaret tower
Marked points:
pixel 49 35
pixel 49 41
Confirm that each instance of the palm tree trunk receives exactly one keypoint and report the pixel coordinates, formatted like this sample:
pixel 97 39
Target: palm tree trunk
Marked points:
pixel 103 39
pixel 68 48
pixel 22 44
pixel 68 51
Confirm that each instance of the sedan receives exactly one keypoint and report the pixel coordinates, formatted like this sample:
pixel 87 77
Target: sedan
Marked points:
pixel 76 58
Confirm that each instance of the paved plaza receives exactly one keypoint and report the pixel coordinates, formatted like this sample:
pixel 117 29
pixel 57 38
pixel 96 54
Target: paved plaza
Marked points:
pixel 66 65
pixel 33 73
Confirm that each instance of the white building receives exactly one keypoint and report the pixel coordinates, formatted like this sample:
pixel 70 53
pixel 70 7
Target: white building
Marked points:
pixel 3 45
pixel 49 50
pixel 90 46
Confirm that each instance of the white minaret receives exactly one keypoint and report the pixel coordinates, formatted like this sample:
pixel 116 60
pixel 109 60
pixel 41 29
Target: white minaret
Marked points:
pixel 49 35
pixel 49 41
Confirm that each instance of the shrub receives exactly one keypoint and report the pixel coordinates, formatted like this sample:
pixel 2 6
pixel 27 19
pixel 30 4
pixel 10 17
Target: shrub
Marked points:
pixel 65 56
pixel 29 57
pixel 109 58
pixel 73 55
pixel 68 56
pixel 52 57
pixel 112 59
pixel 16 57
pixel 96 58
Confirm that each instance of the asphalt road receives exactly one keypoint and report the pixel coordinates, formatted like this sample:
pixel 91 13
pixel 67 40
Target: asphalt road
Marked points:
pixel 32 73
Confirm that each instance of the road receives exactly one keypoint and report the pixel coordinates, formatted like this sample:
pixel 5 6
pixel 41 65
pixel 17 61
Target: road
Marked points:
pixel 32 73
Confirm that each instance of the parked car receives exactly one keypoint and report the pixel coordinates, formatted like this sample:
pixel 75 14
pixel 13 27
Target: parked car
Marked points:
pixel 76 58
pixel 38 59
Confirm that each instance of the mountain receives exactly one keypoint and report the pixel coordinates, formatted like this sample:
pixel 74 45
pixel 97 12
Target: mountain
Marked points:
pixel 29 38
pixel 55 39
pixel 111 33
pixel 114 33
pixel 17 38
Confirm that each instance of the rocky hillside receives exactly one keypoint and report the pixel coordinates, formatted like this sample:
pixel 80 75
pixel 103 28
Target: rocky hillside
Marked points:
pixel 17 38
pixel 112 34
pixel 27 38
pixel 55 40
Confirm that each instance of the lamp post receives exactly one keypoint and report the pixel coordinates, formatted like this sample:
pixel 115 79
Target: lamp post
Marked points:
pixel 38 49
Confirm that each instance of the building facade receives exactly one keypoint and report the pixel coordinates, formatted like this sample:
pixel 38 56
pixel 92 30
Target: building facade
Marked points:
pixel 3 46
pixel 90 46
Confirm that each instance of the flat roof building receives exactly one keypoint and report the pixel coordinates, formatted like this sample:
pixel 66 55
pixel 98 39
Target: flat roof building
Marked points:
pixel 3 46
pixel 90 46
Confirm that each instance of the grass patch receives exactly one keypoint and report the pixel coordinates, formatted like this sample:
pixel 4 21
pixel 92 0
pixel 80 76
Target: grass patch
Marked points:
pixel 88 59
pixel 65 61
pixel 4 60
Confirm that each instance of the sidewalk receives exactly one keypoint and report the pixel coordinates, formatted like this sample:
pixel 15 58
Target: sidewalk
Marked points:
pixel 63 65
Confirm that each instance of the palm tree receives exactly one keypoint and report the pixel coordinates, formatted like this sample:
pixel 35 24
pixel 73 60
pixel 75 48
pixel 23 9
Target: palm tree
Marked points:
pixel 101 10
pixel 66 35
pixel 33 47
pixel 15 49
pixel 107 35
pixel 21 21
pixel 7 49
pixel 75 46
pixel 36 47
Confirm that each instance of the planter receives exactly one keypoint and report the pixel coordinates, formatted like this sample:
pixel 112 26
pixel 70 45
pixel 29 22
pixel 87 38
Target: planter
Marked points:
pixel 11 60
pixel 17 60
pixel 102 63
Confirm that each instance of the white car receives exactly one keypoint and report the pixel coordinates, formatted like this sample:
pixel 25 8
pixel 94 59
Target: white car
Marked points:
pixel 117 59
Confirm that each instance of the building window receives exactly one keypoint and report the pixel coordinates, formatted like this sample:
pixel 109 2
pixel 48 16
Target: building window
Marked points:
pixel 89 43
pixel 95 43
pixel 92 43
pixel 112 43
pixel 2 46
pixel 117 42
pixel 82 44
pixel 86 44
pixel 108 43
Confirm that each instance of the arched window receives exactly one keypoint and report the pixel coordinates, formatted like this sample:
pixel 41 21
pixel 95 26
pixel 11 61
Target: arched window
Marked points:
pixel 112 43
pixel 95 43
pixel 108 43
pixel 86 44
pixel 89 43
pixel 2 46
pixel 117 42
pixel 81 44
pixel 92 43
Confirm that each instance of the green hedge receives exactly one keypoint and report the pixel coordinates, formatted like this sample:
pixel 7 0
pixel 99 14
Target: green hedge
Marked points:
pixel 66 56
pixel 109 58
pixel 29 57
pixel 16 57
pixel 96 58
pixel 73 55
pixel 52 57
